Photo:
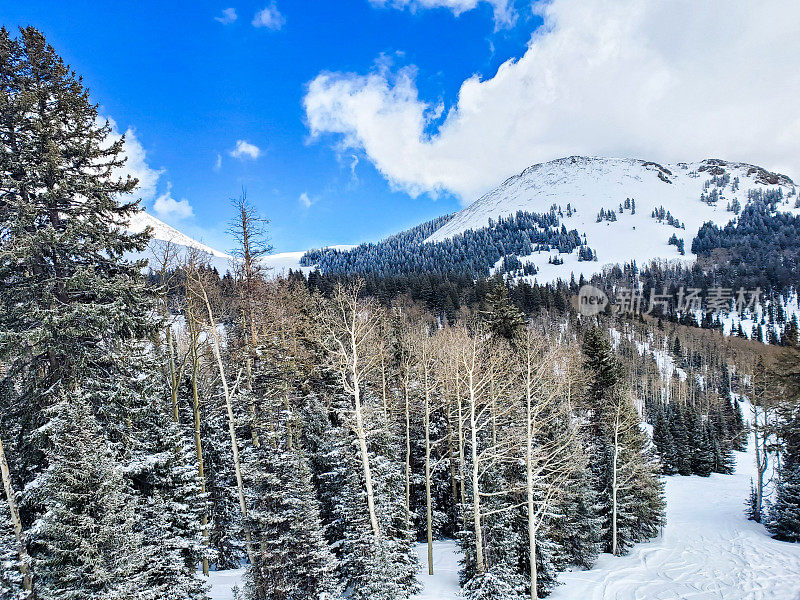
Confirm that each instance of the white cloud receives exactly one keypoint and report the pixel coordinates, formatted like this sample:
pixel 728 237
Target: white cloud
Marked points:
pixel 167 207
pixel 136 162
pixel 503 9
pixel 227 17
pixel 245 150
pixel 269 17
pixel 218 162
pixel 683 80
pixel 305 200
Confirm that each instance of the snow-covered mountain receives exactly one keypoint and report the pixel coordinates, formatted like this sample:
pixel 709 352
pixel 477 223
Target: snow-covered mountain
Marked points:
pixel 623 209
pixel 278 264
pixel 165 233
pixel 692 193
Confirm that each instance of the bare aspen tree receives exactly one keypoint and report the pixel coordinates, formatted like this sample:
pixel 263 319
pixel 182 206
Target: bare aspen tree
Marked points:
pixel 22 552
pixel 199 288
pixel 548 464
pixel 165 260
pixel 408 366
pixel 427 351
pixel 249 229
pixel 761 403
pixel 348 325
pixel 193 325
pixel 485 377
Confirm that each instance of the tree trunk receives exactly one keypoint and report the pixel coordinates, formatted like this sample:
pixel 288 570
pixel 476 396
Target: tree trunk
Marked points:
pixel 614 487
pixel 198 442
pixel 428 498
pixel 16 521
pixel 408 455
pixel 173 375
pixel 362 444
pixel 480 564
pixel 237 464
pixel 529 482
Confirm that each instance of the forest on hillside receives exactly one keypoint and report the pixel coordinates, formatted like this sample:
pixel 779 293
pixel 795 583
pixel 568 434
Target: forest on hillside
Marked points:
pixel 159 420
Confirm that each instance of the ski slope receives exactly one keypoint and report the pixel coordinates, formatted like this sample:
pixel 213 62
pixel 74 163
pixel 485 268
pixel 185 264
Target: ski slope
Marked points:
pixel 708 549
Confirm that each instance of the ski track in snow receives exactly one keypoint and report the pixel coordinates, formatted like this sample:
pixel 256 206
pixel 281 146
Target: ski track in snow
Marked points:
pixel 708 550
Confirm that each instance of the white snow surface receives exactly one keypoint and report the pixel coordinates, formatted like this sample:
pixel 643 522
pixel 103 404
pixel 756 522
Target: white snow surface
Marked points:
pixel 589 184
pixel 443 584
pixel 223 582
pixel 708 550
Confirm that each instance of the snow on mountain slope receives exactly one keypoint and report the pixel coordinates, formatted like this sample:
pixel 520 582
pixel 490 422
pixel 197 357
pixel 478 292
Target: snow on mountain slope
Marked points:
pixel 280 263
pixel 591 184
pixel 163 232
pixel 277 264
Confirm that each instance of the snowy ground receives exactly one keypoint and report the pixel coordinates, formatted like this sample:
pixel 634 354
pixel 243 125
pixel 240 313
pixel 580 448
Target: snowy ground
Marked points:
pixel 443 584
pixel 223 582
pixel 708 550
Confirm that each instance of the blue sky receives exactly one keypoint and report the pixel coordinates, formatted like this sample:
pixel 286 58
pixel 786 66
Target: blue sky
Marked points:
pixel 191 86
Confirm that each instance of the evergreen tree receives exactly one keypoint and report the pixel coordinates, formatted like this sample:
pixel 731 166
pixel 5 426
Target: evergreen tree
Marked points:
pixel 293 559
pixel 784 514
pixel 680 439
pixel 171 509
pixel 85 543
pixel 665 445
pixel 10 575
pixel 504 319
pixel 629 491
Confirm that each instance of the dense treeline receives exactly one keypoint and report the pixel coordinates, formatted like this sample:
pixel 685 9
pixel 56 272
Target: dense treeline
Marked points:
pixel 474 252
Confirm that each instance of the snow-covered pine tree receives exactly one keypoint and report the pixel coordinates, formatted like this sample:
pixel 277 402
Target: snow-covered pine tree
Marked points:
pixel 10 574
pixel 382 569
pixel 677 426
pixel 86 544
pixel 162 469
pixel 626 472
pixel 784 513
pixel 76 316
pixel 292 555
pixel 67 289
pixel 783 519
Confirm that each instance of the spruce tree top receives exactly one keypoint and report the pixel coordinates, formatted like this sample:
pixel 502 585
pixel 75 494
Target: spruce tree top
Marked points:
pixel 67 289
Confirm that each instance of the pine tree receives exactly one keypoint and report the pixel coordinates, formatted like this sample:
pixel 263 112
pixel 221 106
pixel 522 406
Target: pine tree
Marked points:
pixel 665 445
pixel 503 318
pixel 75 315
pixel 170 510
pixel 703 454
pixel 784 514
pixel 293 559
pixel 10 575
pixel 85 544
pixel 680 439
pixel 66 284
pixel 629 491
